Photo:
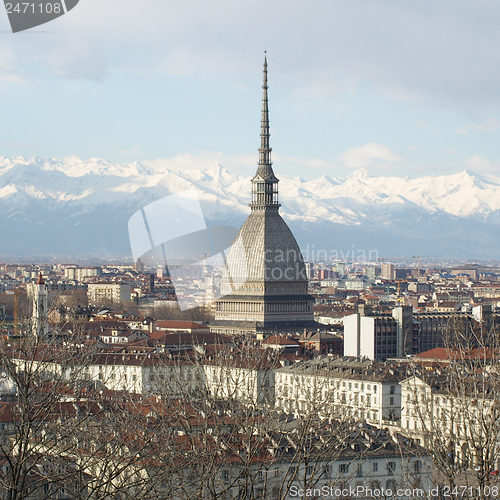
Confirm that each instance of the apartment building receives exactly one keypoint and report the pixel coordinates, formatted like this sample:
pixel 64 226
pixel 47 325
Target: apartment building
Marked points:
pixel 108 293
pixel 362 389
pixel 460 418
pixel 401 332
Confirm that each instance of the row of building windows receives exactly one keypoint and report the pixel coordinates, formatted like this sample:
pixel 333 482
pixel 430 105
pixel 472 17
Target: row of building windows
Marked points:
pixel 363 386
pixel 342 468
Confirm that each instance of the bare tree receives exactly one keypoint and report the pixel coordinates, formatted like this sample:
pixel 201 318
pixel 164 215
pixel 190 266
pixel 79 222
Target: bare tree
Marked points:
pixel 454 409
pixel 107 423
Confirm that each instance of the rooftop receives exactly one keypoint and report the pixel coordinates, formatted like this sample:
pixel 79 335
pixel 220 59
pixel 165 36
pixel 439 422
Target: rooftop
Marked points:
pixel 349 368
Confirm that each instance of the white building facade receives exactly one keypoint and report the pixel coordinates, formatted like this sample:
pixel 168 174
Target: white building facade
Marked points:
pixel 344 387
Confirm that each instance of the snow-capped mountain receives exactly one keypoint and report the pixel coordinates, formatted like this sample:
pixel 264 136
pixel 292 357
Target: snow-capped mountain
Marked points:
pixel 70 207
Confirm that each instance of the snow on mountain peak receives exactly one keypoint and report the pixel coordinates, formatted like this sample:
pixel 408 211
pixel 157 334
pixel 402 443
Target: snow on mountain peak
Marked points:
pixel 360 173
pixel 69 196
pixel 464 194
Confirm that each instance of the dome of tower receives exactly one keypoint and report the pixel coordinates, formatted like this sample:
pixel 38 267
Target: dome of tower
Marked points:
pixel 265 250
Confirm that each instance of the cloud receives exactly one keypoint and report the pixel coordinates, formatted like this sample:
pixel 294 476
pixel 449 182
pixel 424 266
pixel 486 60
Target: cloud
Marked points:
pixel 444 57
pixel 9 70
pixel 489 125
pixel 480 163
pixel 369 154
pixel 185 161
pixel 79 59
pixel 243 164
pixel 285 161
pixel 133 151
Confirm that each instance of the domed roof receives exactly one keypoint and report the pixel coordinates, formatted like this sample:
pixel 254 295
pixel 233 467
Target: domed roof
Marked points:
pixel 265 250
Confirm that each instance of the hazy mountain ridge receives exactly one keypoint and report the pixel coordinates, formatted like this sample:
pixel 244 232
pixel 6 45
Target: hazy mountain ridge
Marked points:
pixel 70 207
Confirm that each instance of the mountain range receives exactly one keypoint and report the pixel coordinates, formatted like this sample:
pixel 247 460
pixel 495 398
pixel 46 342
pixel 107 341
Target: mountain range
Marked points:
pixel 74 208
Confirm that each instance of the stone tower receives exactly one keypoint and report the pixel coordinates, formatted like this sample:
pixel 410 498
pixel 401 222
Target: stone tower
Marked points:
pixel 265 284
pixel 39 294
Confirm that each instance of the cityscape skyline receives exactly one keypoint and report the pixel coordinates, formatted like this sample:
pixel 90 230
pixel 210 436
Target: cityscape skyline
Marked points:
pixel 173 327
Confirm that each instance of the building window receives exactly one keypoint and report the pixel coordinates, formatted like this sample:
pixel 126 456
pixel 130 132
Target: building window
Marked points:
pixel 391 401
pixel 359 471
pixel 393 389
pixel 391 468
pixel 375 466
pixel 417 466
pixel 225 476
pixel 343 468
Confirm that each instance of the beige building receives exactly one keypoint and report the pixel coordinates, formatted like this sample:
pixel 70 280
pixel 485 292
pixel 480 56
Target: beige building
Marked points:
pixel 240 380
pixel 388 271
pixel 108 293
pixel 80 273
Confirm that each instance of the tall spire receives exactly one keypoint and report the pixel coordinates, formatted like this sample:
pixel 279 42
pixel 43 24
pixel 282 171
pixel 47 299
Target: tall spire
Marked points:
pixel 265 183
pixel 264 150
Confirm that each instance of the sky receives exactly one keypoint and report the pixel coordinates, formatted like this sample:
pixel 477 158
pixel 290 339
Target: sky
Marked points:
pixel 404 88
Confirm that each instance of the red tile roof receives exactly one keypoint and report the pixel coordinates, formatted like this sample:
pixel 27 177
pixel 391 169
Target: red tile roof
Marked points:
pixel 444 353
pixel 280 340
